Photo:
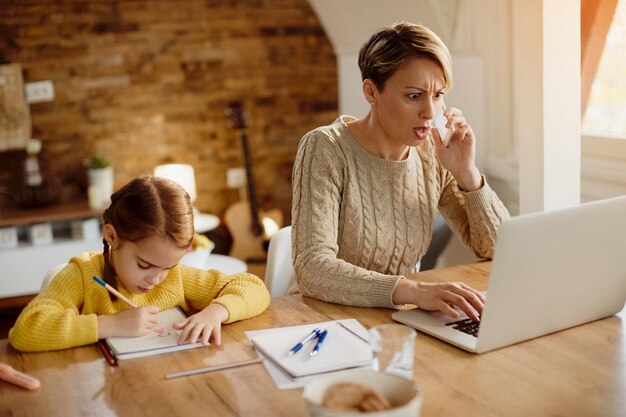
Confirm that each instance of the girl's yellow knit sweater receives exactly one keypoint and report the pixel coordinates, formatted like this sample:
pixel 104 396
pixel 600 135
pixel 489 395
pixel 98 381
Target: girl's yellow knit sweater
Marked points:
pixel 64 314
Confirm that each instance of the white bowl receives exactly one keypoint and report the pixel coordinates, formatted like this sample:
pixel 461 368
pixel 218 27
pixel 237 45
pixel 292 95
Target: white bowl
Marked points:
pixel 198 258
pixel 402 393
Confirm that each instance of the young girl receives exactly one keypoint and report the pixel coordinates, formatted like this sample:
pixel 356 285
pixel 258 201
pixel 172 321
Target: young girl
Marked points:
pixel 147 229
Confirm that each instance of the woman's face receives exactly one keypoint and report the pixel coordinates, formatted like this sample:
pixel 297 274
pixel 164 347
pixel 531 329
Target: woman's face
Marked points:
pixel 143 265
pixel 409 101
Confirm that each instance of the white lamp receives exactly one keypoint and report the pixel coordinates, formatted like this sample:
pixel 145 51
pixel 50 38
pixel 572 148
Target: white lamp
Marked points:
pixel 182 174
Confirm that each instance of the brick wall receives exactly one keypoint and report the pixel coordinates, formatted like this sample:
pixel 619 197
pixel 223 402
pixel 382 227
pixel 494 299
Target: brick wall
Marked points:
pixel 148 82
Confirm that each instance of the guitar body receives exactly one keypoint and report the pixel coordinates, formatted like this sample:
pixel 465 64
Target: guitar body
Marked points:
pixel 246 245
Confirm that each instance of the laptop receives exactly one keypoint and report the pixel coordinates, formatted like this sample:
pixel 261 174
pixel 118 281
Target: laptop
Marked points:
pixel 551 271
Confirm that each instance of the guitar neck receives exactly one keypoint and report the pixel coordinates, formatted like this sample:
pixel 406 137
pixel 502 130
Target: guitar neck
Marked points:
pixel 254 211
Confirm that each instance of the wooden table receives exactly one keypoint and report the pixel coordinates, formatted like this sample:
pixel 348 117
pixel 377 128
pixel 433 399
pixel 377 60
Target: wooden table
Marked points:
pixel 577 372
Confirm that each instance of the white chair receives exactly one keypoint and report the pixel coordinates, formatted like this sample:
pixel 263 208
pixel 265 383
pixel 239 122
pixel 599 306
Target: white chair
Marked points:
pixel 279 275
pixel 52 272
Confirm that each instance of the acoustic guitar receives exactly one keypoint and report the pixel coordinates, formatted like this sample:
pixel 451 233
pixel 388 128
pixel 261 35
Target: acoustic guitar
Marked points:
pixel 250 227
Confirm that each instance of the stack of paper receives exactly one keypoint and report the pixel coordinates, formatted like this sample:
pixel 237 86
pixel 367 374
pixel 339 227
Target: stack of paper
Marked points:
pixel 345 347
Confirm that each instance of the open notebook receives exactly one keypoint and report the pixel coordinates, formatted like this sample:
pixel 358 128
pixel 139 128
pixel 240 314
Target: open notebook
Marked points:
pixel 161 339
pixel 345 346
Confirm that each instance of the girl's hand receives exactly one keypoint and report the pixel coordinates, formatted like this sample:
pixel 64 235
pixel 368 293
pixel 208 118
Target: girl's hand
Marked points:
pixel 202 325
pixel 459 157
pixel 441 296
pixel 132 322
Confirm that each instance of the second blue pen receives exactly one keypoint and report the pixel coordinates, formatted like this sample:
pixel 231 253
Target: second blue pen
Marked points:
pixel 299 345
pixel 320 340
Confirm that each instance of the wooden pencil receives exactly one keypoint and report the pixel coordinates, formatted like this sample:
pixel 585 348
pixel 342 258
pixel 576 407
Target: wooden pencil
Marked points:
pixel 213 368
pixel 114 291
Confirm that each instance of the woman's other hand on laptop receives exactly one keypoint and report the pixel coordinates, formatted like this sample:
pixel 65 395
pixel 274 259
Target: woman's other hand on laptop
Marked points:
pixel 440 296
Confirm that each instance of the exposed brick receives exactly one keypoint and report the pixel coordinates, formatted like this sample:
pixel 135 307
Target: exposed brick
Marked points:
pixel 146 83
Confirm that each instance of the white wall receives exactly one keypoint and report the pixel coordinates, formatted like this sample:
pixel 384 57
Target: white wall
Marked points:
pixel 546 99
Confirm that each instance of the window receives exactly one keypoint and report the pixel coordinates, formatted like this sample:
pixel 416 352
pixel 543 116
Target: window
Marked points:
pixel 606 107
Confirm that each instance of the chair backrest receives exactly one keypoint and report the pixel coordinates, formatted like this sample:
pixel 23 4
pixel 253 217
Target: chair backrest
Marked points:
pixel 279 275
pixel 52 272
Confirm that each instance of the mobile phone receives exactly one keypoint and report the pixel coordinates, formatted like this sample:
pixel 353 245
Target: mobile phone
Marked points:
pixel 440 123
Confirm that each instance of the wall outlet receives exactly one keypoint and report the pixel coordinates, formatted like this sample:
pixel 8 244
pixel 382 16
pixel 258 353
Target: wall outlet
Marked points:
pixel 236 177
pixel 39 91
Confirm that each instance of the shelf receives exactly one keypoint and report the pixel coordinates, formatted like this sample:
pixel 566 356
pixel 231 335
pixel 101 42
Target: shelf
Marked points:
pixel 22 270
pixel 59 212
pixel 23 267
pixel 55 242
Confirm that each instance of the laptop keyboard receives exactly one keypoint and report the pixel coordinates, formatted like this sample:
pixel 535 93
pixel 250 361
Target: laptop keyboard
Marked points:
pixel 466 326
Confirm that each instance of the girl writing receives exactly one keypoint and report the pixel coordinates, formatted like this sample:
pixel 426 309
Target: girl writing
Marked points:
pixel 147 229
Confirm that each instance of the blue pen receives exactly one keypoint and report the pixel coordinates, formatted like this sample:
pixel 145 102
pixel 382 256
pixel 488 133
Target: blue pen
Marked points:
pixel 320 340
pixel 299 345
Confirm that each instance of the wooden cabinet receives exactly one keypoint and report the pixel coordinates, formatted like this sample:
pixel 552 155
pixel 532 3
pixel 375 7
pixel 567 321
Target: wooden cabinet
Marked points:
pixel 74 228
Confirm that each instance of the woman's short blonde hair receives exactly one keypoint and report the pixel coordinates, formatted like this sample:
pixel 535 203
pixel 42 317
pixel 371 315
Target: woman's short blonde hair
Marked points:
pixel 390 47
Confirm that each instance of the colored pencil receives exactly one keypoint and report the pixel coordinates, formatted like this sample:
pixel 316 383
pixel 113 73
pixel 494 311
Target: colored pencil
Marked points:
pixel 108 355
pixel 9 374
pixel 113 291
pixel 213 368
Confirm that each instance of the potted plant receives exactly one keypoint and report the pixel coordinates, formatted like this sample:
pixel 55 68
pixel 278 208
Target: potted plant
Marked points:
pixel 100 173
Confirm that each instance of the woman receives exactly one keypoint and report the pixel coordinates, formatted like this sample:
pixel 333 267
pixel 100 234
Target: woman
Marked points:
pixel 366 191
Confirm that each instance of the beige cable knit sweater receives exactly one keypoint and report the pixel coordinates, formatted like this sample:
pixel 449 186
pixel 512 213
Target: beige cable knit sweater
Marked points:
pixel 361 222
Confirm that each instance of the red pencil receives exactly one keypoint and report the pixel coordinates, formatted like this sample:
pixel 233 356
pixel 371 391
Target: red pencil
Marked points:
pixel 108 356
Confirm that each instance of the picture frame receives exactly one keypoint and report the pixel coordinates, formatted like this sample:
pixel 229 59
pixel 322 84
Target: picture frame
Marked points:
pixel 15 121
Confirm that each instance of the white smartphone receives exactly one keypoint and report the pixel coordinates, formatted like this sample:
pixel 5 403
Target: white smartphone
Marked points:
pixel 440 123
